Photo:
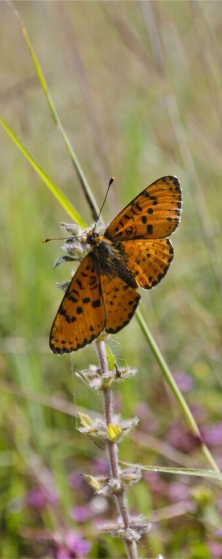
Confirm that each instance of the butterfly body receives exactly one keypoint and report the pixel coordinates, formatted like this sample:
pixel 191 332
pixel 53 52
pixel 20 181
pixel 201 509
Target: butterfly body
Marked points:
pixel 133 251
pixel 111 257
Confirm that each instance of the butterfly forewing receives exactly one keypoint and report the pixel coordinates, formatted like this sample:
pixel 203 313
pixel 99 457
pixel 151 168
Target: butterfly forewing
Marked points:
pixel 120 301
pixel 81 315
pixel 153 214
pixel 149 260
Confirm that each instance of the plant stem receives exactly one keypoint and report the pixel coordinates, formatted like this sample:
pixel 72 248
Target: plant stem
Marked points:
pixel 82 178
pixel 175 390
pixel 112 449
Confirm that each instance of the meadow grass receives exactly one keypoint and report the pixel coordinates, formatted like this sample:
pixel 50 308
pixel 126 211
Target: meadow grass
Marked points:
pixel 139 94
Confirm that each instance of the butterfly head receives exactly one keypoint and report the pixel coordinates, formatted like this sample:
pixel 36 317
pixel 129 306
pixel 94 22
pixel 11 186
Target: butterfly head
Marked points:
pixel 94 234
pixel 80 241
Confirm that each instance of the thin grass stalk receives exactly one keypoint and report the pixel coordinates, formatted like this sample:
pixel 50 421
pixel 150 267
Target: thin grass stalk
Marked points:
pixel 175 390
pixel 82 178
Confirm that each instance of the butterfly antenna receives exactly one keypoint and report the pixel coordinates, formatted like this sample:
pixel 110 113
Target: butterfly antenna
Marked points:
pixel 104 201
pixel 56 239
pixel 100 211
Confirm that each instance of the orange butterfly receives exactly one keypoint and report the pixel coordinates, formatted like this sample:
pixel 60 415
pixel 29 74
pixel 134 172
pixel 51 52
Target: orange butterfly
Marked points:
pixel 133 251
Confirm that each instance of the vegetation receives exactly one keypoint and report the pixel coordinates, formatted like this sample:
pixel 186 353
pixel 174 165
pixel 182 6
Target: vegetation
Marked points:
pixel 137 87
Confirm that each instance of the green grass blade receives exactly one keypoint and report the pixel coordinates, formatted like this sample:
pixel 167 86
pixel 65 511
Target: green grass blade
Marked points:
pixel 82 178
pixel 181 471
pixel 186 472
pixel 54 189
pixel 174 388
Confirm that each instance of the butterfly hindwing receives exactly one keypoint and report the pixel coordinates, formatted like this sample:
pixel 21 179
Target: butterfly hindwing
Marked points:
pixel 148 260
pixel 153 214
pixel 120 301
pixel 81 315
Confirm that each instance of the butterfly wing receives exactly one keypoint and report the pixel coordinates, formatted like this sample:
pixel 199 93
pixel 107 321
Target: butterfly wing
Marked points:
pixel 95 300
pixel 120 301
pixel 153 214
pixel 148 260
pixel 81 315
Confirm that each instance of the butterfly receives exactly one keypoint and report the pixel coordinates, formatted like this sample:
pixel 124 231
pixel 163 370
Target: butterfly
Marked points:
pixel 133 251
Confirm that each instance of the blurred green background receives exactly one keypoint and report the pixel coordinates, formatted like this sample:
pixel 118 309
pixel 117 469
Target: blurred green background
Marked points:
pixel 138 89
